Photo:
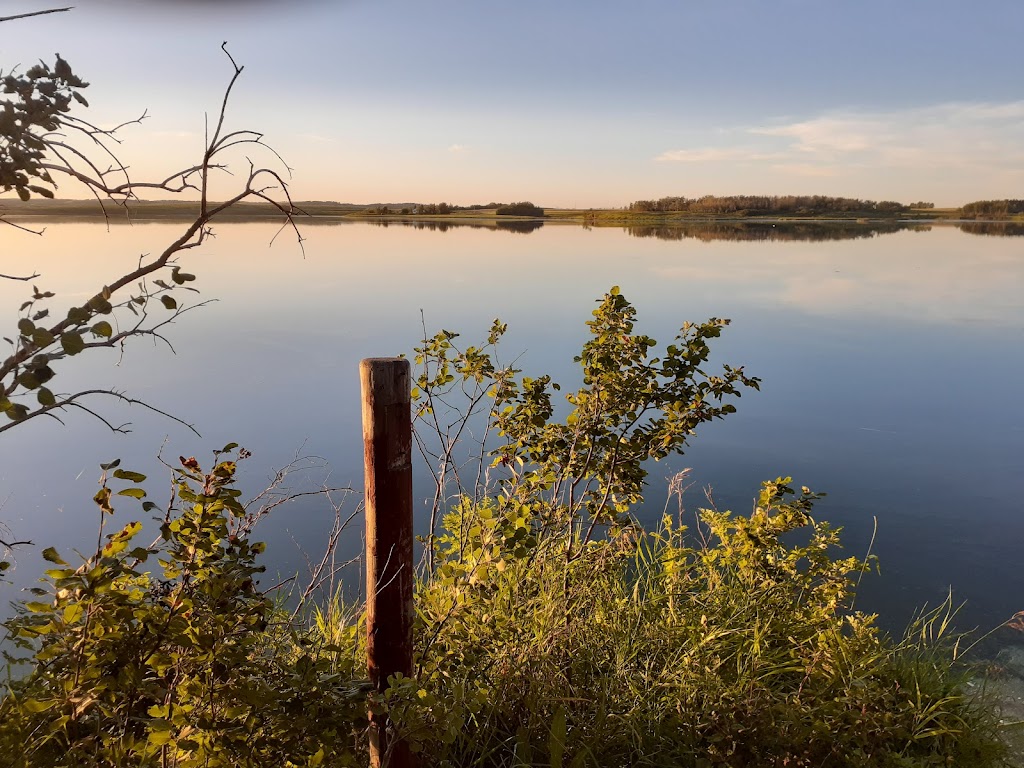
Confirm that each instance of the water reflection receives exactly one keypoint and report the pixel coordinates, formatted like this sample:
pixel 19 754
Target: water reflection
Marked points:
pixel 764 231
pixel 993 228
pixel 891 371
pixel 522 227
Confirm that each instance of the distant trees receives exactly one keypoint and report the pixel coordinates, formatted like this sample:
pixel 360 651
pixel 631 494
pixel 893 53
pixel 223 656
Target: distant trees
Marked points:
pixel 524 208
pixel 890 206
pixel 435 209
pixel 765 205
pixel 992 209
pixel 444 209
pixel 922 204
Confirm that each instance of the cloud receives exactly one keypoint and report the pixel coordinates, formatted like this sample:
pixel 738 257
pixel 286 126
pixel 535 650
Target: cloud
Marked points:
pixel 707 155
pixel 954 151
pixel 455 148
pixel 965 135
pixel 828 134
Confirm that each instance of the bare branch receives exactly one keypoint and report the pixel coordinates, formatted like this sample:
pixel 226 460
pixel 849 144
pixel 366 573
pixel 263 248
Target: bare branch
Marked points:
pixel 13 544
pixel 26 278
pixel 35 13
pixel 71 401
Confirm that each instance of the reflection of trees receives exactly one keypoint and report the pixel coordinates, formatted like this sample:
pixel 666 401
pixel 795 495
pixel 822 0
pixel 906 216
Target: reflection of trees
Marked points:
pixel 998 229
pixel 523 227
pixel 767 232
pixel 770 205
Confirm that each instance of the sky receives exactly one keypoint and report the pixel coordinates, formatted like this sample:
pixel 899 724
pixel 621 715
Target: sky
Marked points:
pixel 567 103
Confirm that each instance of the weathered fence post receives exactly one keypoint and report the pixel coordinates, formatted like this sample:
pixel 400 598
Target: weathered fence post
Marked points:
pixel 387 456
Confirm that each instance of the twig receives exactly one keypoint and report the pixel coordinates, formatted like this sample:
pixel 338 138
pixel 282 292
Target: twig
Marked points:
pixel 35 13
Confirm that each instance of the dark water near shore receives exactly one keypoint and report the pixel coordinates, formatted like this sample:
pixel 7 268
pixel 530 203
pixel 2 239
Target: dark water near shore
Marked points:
pixel 891 359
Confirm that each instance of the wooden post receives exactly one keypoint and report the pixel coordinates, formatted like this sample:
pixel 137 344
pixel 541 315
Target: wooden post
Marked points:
pixel 387 451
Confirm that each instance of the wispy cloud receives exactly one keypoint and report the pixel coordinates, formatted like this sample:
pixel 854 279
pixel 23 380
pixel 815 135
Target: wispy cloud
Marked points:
pixel 954 134
pixel 706 155
pixel 456 148
pixel 955 149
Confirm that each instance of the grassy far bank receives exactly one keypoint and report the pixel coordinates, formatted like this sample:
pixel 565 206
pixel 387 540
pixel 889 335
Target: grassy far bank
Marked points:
pixel 715 640
pixel 179 209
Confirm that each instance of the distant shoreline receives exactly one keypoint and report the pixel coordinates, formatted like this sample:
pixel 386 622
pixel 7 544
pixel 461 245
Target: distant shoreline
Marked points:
pixel 178 210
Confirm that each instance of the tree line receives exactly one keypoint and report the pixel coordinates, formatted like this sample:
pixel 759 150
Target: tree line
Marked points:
pixel 766 205
pixel 992 209
pixel 524 208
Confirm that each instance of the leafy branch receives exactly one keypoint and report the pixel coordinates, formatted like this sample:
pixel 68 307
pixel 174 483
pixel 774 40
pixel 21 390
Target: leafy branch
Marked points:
pixel 41 142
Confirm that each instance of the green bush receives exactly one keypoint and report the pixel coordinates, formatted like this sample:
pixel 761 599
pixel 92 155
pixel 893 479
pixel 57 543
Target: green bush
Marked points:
pixel 194 667
pixel 649 650
pixel 543 642
pixel 552 630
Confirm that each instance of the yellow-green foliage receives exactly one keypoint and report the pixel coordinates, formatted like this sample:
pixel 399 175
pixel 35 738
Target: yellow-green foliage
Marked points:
pixel 552 630
pixel 128 668
pixel 646 649
pixel 542 642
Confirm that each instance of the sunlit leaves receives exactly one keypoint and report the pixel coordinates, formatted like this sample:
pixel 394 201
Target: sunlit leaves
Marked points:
pixel 50 555
pixel 124 474
pixel 102 328
pixel 178 659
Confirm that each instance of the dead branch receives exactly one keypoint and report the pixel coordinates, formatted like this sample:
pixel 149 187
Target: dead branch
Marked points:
pixel 35 13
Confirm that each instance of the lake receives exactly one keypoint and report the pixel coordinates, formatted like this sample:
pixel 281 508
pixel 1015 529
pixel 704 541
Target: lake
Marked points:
pixel 891 360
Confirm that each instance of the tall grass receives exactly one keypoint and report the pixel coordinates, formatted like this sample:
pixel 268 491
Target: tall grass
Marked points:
pixel 652 650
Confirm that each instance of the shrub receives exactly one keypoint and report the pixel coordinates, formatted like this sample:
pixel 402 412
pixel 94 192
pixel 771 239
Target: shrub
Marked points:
pixel 736 643
pixel 648 650
pixel 194 667
pixel 552 630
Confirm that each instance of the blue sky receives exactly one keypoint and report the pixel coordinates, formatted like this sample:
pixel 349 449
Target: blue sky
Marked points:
pixel 567 103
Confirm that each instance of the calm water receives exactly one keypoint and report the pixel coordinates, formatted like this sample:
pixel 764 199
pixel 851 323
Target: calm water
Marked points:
pixel 892 367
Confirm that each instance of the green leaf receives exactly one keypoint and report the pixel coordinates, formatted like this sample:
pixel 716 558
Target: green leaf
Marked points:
pixel 78 315
pixel 29 380
pixel 46 397
pixel 50 555
pixel 26 326
pixel 110 465
pixel 135 493
pixel 73 613
pixel 124 474
pixel 42 337
pixel 99 304
pixel 102 328
pixel 36 706
pixel 72 343
pixel 169 302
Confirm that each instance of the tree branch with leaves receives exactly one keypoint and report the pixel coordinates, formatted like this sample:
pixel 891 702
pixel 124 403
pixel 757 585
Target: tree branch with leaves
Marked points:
pixel 44 142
